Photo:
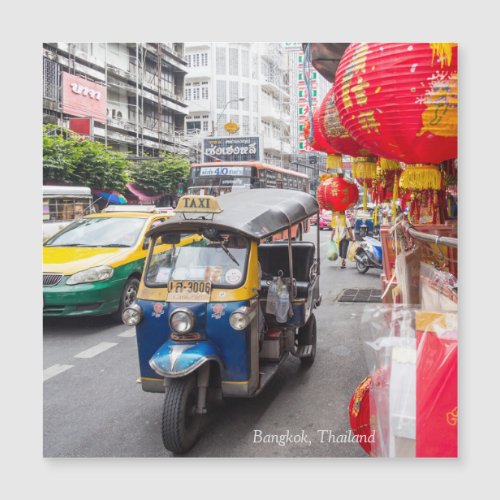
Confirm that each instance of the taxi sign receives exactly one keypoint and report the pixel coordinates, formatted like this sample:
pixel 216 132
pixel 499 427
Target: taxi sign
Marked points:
pixel 198 204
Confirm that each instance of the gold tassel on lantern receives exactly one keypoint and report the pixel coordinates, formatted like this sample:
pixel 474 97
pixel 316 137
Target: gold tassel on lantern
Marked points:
pixel 394 196
pixel 365 195
pixel 420 176
pixel 364 168
pixel 333 162
pixel 375 216
pixel 386 165
pixel 338 221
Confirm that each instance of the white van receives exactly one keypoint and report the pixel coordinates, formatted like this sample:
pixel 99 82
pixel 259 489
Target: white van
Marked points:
pixel 62 205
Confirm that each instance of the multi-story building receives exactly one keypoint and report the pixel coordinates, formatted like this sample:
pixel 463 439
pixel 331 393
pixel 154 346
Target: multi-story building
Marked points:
pixel 246 83
pixel 133 92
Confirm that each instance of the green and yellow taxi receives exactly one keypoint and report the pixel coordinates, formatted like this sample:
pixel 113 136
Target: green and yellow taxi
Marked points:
pixel 94 265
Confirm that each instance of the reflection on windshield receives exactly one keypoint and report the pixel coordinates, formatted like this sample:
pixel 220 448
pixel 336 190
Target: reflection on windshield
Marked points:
pixel 100 232
pixel 220 262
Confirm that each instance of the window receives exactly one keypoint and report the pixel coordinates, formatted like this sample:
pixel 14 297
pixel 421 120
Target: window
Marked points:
pixel 188 93
pixel 204 59
pixel 246 125
pixel 255 66
pixel 255 96
pixel 50 86
pixel 196 93
pixel 221 120
pixel 220 62
pixel 204 92
pixel 300 77
pixel 188 59
pixel 301 127
pixel 245 63
pixel 233 61
pixel 300 59
pixel 196 60
pixel 221 94
pixel 315 93
pixel 233 94
pixel 301 110
pixel 315 75
pixel 301 93
pixel 245 90
pixel 205 126
pixel 255 124
pixel 301 145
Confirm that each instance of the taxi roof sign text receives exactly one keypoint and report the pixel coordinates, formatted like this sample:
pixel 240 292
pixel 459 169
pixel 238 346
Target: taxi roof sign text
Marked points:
pixel 198 204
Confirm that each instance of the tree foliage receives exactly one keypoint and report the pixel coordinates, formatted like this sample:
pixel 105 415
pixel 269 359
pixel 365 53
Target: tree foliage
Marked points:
pixel 69 159
pixel 160 176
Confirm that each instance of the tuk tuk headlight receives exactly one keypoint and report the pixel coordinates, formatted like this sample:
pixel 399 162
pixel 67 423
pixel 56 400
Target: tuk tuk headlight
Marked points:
pixel 99 273
pixel 181 320
pixel 132 315
pixel 242 317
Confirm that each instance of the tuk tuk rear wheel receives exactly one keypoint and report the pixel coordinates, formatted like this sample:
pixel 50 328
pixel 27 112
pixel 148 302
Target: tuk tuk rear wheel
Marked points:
pixel 181 424
pixel 307 336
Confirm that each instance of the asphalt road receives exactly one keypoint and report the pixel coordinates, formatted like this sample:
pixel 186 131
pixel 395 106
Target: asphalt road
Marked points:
pixel 94 407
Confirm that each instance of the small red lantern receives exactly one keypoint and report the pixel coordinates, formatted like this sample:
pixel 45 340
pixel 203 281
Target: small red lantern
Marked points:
pixel 337 194
pixel 399 100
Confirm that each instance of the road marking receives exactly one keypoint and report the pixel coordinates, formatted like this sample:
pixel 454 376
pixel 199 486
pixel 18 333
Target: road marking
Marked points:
pixel 54 370
pixel 128 333
pixel 94 351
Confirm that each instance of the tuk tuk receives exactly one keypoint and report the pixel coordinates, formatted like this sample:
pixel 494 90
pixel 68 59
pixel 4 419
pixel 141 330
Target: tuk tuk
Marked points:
pixel 209 313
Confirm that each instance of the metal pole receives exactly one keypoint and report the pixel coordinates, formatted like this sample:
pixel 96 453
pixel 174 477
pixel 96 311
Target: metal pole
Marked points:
pixel 106 85
pixel 290 260
pixel 317 240
pixel 137 99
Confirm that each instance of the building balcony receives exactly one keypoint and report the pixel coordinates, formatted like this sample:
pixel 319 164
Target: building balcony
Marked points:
pixel 199 106
pixel 275 145
pixel 271 86
pixel 198 72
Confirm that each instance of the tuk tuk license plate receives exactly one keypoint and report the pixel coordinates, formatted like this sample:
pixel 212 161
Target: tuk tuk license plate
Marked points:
pixel 189 291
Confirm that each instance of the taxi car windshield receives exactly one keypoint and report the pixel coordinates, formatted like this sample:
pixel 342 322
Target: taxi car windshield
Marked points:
pixel 223 262
pixel 99 232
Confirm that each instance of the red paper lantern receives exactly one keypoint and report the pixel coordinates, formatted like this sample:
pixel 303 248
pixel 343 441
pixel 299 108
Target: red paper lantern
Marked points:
pixel 399 100
pixel 359 414
pixel 319 142
pixel 334 132
pixel 337 194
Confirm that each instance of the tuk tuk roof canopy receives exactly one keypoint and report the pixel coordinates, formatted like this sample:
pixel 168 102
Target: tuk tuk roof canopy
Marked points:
pixel 255 213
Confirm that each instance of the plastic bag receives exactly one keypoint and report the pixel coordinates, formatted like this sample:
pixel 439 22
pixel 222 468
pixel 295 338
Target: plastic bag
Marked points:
pixel 272 297
pixel 351 253
pixel 283 305
pixel 333 251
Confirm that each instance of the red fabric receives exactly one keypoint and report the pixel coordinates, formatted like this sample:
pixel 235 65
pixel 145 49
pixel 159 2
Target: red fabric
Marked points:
pixel 437 405
pixel 334 132
pixel 359 414
pixel 337 194
pixel 399 100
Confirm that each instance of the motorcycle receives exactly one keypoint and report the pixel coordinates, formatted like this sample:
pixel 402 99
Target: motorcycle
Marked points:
pixel 368 254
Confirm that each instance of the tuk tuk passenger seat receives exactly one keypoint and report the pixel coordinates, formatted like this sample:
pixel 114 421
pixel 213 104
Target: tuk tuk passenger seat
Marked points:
pixel 273 257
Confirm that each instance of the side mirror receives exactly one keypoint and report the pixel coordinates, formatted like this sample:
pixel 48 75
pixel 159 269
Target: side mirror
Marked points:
pixel 145 245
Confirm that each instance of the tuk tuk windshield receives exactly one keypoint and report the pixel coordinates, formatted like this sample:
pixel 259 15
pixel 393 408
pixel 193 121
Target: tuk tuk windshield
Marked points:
pixel 222 260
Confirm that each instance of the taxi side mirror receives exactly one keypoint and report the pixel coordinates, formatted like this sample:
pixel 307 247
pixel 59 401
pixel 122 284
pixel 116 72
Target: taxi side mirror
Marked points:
pixel 145 245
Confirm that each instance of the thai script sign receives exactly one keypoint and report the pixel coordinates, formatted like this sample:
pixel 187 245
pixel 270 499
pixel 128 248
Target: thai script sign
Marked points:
pixel 231 149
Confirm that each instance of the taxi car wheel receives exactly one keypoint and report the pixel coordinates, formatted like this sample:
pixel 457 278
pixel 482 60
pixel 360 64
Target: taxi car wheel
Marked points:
pixel 181 424
pixel 129 296
pixel 307 336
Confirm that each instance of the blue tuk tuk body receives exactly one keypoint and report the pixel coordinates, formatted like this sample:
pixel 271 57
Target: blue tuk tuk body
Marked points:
pixel 223 344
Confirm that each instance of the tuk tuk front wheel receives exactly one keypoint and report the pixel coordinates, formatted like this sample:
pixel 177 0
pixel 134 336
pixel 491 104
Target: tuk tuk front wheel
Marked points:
pixel 180 423
pixel 307 336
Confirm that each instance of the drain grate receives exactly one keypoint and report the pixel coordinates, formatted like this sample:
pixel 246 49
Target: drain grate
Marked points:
pixel 360 295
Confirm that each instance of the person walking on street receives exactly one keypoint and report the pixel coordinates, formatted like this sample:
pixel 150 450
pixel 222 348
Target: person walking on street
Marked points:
pixel 343 230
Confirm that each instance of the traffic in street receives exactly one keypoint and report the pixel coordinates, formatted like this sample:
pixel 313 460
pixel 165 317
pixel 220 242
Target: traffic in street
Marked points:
pixel 94 405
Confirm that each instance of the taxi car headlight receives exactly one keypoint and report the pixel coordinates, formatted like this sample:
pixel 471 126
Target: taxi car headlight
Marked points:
pixel 99 273
pixel 242 317
pixel 181 320
pixel 132 315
